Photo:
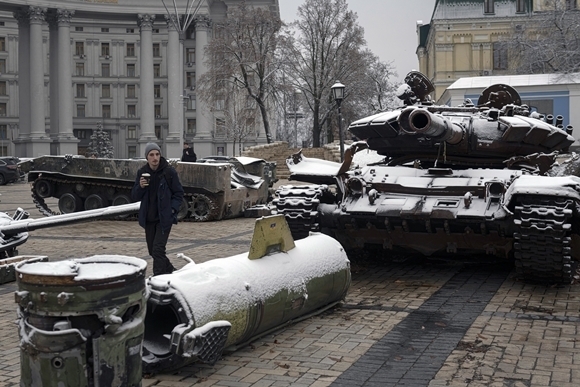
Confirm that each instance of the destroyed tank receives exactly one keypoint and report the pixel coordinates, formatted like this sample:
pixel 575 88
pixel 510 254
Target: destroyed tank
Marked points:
pixel 213 191
pixel 450 181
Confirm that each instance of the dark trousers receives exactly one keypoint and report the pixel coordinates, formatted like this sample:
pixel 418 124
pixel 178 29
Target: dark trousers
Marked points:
pixel 156 242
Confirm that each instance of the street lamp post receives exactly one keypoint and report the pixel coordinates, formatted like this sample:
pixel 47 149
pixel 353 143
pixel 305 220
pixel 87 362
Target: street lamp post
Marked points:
pixel 297 94
pixel 338 93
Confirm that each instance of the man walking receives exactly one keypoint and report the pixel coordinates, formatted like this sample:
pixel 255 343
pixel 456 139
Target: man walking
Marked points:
pixel 188 154
pixel 161 195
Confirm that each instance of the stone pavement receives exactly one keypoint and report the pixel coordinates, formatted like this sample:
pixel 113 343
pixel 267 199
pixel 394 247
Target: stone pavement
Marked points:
pixel 402 324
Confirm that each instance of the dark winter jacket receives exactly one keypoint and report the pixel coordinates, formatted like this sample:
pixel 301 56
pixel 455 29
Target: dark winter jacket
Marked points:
pixel 189 155
pixel 169 194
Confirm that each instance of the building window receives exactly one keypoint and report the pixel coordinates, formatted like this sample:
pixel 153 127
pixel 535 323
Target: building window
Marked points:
pixel 2 87
pixel 131 91
pixel 2 44
pixel 130 49
pixel 191 102
pixel 130 69
pixel 80 90
pixel 131 151
pixel 131 111
pixel 500 56
pixel 157 111
pixel 106 111
pixel 191 126
pixel 2 66
pixel 79 48
pixel 520 6
pixel 488 6
pixel 190 81
pixel 3 109
pixel 156 70
pixel 220 101
pixel 105 69
pixel 79 29
pixel 105 49
pixel 158 131
pixel 104 30
pixel 131 131
pixel 80 69
pixel 3 132
pixel 106 91
pixel 155 30
pixel 156 50
pixel 220 127
pixel 157 91
pixel 190 56
pixel 570 4
pixel 80 111
pixel 80 134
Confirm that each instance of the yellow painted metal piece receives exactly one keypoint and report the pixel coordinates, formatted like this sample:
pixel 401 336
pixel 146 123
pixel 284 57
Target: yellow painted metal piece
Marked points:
pixel 271 233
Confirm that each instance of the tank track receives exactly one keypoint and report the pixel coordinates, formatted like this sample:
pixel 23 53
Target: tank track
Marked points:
pixel 299 205
pixel 542 242
pixel 209 212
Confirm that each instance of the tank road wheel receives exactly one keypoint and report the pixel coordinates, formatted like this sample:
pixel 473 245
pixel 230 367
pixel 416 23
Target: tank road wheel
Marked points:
pixel 203 209
pixel 43 188
pixel 183 210
pixel 69 203
pixel 120 200
pixel 94 201
pixel 542 241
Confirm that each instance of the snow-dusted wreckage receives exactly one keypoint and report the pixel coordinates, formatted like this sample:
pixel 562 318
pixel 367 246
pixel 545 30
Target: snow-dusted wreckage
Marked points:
pixel 476 178
pixel 213 191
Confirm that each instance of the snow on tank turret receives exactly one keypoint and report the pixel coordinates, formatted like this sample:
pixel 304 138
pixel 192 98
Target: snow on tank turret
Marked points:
pixel 452 181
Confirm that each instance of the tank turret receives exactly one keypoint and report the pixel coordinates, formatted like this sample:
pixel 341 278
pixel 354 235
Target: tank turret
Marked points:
pixel 488 133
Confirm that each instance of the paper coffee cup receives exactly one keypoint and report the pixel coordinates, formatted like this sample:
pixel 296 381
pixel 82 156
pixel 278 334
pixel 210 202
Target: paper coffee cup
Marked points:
pixel 146 176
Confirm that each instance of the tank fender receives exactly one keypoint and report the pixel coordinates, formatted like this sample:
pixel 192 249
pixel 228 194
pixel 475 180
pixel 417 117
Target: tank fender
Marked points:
pixel 565 186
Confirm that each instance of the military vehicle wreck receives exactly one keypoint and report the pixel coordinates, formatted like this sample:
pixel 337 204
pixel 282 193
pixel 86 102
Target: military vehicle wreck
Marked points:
pixel 452 180
pixel 213 191
pixel 14 231
pixel 200 310
pixel 98 320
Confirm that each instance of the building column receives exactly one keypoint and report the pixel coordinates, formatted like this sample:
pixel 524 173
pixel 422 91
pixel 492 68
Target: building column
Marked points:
pixel 67 143
pixel 53 73
pixel 39 142
pixel 147 101
pixel 20 143
pixel 203 115
pixel 174 140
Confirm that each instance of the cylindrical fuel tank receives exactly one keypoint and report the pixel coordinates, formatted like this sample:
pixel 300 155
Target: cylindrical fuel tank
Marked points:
pixel 81 321
pixel 196 312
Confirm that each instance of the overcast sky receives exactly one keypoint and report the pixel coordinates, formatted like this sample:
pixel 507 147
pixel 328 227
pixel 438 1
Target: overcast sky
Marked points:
pixel 390 27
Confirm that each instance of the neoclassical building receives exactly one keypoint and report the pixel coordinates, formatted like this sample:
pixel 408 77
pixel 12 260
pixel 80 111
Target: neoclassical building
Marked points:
pixel 66 65
pixel 462 38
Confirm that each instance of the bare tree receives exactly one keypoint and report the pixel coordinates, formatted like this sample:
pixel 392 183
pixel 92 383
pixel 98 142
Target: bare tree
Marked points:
pixel 328 46
pixel 549 42
pixel 242 52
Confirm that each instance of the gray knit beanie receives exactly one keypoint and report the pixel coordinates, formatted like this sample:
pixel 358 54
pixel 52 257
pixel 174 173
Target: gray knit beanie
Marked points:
pixel 151 146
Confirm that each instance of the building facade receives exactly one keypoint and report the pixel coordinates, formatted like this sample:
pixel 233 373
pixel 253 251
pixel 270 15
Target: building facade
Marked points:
pixel 129 64
pixel 463 38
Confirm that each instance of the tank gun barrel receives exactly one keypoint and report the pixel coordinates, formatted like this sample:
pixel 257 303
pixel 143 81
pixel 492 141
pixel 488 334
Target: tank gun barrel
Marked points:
pixel 421 121
pixel 17 226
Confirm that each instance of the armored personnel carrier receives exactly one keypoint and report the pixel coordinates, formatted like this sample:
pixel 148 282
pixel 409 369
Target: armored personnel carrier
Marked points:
pixel 213 191
pixel 451 181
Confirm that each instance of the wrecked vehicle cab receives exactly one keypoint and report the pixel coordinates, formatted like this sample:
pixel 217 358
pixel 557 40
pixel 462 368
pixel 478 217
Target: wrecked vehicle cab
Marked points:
pixel 451 181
